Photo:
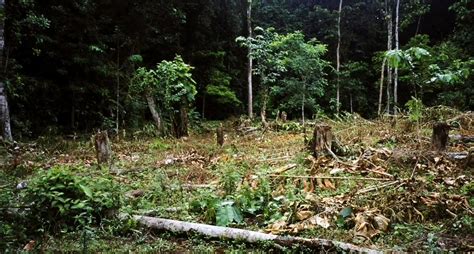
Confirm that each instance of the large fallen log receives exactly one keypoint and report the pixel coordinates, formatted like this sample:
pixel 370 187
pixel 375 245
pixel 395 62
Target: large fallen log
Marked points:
pixel 246 235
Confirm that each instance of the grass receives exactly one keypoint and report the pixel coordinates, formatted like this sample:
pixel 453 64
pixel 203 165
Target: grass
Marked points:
pixel 162 168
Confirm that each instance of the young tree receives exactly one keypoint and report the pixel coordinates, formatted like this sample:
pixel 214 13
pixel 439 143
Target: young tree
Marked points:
pixel 172 84
pixel 304 79
pixel 395 74
pixel 268 62
pixel 250 61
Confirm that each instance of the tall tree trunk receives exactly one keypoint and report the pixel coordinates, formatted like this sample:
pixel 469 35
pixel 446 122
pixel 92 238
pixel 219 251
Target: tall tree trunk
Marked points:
pixel 5 129
pixel 154 113
pixel 4 115
pixel 250 61
pixel 379 112
pixel 395 74
pixel 389 47
pixel 118 92
pixel 338 61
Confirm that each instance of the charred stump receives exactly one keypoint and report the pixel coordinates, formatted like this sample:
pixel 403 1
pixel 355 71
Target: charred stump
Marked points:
pixel 220 135
pixel 102 148
pixel 440 136
pixel 322 140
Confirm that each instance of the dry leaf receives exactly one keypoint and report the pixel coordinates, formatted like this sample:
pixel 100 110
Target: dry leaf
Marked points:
pixel 329 185
pixel 381 222
pixel 303 215
pixel 322 221
pixel 29 246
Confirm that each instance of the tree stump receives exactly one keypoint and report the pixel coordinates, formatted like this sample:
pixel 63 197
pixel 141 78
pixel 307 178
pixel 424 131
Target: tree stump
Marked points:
pixel 220 135
pixel 102 148
pixel 322 140
pixel 284 117
pixel 440 136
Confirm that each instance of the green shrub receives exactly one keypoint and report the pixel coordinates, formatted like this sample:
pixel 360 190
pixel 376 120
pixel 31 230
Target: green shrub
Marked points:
pixel 59 197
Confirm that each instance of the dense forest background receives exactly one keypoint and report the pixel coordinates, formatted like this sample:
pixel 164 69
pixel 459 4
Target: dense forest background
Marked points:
pixel 69 64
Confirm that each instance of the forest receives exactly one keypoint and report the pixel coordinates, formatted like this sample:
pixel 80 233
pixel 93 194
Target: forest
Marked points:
pixel 281 126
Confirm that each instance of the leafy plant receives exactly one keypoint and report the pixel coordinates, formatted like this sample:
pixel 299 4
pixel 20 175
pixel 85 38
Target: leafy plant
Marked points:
pixel 227 213
pixel 415 109
pixel 60 197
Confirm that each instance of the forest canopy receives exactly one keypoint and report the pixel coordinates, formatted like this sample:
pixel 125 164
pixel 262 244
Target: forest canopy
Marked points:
pixel 69 65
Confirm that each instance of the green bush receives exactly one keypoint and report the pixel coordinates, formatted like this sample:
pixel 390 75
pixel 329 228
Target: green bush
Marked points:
pixel 60 197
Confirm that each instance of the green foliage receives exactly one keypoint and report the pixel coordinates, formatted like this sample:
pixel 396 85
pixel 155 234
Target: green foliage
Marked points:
pixel 268 60
pixel 305 75
pixel 228 213
pixel 219 90
pixel 170 83
pixel 59 197
pixel 415 109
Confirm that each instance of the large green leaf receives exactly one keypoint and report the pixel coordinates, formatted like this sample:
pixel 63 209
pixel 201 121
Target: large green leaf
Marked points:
pixel 86 190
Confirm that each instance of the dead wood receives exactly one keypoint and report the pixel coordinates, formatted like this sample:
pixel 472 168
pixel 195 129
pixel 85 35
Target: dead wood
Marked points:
pixel 220 135
pixel 440 136
pixel 197 186
pixel 246 235
pixel 377 187
pixel 284 117
pixel 102 148
pixel 332 177
pixel 322 140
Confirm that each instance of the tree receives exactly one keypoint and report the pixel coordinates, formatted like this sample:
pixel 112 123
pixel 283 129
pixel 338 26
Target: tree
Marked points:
pixel 172 84
pixel 338 64
pixel 250 61
pixel 268 62
pixel 5 129
pixel 395 87
pixel 304 79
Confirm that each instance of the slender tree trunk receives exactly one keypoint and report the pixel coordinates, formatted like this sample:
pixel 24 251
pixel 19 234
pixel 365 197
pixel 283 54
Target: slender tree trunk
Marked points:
pixel 418 25
pixel 5 129
pixel 4 115
pixel 263 109
pixel 389 47
pixel 250 61
pixel 154 113
pixel 379 112
pixel 118 92
pixel 203 106
pixel 352 108
pixel 395 74
pixel 303 102
pixel 338 61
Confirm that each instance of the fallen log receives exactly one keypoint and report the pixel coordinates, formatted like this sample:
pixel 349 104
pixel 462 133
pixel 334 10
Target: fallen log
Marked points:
pixel 246 235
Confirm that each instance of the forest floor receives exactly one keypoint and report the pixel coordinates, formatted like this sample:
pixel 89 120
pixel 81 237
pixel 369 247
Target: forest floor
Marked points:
pixel 382 189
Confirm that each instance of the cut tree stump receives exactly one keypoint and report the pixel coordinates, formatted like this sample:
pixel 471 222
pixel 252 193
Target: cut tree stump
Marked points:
pixel 322 140
pixel 220 135
pixel 440 136
pixel 103 148
pixel 284 117
pixel 247 235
